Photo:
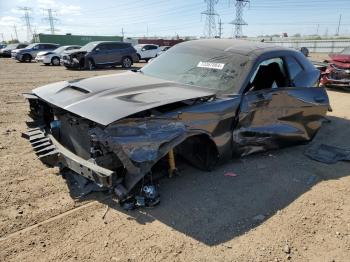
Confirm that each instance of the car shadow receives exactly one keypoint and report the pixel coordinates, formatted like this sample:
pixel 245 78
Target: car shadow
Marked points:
pixel 213 208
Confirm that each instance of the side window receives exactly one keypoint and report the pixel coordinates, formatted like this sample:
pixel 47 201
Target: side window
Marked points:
pixel 152 47
pixel 146 47
pixel 115 46
pixel 269 74
pixel 101 47
pixel 294 68
pixel 36 47
pixel 50 47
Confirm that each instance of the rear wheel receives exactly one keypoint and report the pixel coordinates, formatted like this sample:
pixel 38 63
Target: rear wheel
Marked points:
pixel 55 61
pixel 126 62
pixel 26 58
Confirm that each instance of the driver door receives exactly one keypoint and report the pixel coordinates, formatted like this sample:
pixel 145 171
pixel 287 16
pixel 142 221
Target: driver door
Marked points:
pixel 272 115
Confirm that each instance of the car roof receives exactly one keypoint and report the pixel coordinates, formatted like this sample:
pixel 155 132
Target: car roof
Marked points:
pixel 243 47
pixel 105 42
pixel 46 43
pixel 147 44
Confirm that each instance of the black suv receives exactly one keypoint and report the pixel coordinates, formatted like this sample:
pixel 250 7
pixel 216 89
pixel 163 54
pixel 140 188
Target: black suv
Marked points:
pixel 95 54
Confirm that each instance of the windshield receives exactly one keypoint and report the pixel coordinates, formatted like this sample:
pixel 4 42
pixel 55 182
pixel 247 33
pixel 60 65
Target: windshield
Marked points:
pixel 199 66
pixel 88 47
pixel 31 46
pixel 59 50
pixel 346 51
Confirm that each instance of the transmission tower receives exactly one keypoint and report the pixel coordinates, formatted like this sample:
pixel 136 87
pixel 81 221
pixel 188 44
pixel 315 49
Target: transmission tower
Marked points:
pixel 27 19
pixel 239 22
pixel 15 29
pixel 220 28
pixel 52 20
pixel 210 25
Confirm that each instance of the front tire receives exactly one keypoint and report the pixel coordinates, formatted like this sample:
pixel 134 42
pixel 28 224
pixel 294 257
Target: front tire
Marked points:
pixel 126 62
pixel 55 61
pixel 90 64
pixel 26 58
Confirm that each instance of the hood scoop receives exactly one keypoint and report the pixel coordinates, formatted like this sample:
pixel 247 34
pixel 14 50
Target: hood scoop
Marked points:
pixel 112 97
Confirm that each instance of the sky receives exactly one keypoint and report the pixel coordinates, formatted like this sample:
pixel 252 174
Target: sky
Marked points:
pixel 166 18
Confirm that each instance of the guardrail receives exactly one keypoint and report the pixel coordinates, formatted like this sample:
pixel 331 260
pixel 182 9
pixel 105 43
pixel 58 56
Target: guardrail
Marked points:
pixel 317 46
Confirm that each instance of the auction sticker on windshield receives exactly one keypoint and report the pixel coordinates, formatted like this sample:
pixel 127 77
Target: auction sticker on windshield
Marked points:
pixel 211 65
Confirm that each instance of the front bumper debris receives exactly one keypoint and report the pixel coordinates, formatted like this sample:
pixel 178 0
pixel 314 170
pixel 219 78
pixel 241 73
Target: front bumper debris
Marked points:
pixel 51 152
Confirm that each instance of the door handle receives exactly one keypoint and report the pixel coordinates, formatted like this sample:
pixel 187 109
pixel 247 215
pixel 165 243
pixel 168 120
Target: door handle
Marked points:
pixel 319 99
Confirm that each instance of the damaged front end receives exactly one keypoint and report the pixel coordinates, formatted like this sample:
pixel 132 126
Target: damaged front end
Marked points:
pixel 337 74
pixel 116 156
pixel 74 59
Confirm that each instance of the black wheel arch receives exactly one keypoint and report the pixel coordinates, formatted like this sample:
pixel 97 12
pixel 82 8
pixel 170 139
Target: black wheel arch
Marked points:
pixel 199 150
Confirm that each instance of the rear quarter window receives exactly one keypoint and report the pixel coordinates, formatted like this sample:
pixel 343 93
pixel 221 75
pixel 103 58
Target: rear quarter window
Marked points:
pixel 294 68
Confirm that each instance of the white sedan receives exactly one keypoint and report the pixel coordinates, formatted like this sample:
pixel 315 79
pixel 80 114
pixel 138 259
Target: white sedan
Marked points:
pixel 54 57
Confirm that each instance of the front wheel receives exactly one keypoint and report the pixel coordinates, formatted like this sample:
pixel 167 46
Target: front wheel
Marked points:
pixel 126 62
pixel 27 58
pixel 90 64
pixel 55 61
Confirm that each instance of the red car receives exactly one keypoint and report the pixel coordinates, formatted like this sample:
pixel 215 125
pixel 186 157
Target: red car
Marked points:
pixel 337 74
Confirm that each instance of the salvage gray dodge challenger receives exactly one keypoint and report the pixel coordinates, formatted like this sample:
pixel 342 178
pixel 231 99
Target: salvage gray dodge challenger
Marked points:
pixel 203 100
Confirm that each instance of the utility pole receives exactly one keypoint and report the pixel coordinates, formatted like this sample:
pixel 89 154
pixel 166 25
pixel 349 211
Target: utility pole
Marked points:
pixel 210 25
pixel 318 26
pixel 239 22
pixel 220 28
pixel 123 32
pixel 52 20
pixel 2 36
pixel 27 19
pixel 15 29
pixel 337 33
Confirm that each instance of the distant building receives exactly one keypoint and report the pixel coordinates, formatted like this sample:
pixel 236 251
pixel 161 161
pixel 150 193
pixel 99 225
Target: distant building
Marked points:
pixel 70 39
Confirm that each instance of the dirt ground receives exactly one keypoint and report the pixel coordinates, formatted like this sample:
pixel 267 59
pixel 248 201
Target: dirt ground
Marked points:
pixel 281 205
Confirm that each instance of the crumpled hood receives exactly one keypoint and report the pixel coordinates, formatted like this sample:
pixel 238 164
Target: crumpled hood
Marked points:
pixel 106 99
pixel 75 51
pixel 341 60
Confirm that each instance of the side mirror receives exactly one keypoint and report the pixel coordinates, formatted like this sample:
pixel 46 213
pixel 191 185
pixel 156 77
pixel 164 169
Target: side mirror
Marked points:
pixel 97 49
pixel 143 49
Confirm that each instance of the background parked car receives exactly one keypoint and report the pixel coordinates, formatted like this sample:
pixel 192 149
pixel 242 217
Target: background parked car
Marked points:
pixel 30 52
pixel 146 51
pixel 337 72
pixel 163 49
pixel 95 54
pixel 6 51
pixel 54 57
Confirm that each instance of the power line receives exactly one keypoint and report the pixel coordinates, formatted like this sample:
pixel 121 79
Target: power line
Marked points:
pixel 52 20
pixel 27 19
pixel 239 22
pixel 210 25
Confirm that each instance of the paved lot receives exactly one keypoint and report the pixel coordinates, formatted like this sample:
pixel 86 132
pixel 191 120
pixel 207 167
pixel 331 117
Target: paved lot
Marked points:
pixel 280 200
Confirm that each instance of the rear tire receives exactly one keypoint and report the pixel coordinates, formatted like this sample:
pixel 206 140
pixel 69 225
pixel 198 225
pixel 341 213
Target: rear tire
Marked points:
pixel 55 61
pixel 126 62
